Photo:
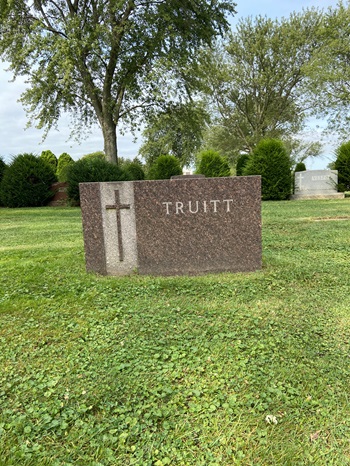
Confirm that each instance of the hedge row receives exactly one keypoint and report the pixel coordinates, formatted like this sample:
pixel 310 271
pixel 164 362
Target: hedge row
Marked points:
pixel 27 181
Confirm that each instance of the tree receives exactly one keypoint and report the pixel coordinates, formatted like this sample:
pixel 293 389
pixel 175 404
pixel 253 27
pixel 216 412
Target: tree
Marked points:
pixel 50 158
pixel 329 72
pixel 178 131
pixel 256 77
pixel 105 60
pixel 342 164
pixel 270 159
pixel 300 150
pixel 219 138
pixel 64 160
pixel 95 155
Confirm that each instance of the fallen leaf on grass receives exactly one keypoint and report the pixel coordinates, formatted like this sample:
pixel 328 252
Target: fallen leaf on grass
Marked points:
pixel 315 435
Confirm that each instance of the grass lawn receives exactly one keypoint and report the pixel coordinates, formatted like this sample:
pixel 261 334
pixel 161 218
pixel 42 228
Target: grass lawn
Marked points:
pixel 228 369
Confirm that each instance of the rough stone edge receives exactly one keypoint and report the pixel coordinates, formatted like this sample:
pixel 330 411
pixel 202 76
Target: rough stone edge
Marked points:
pixel 186 177
pixel 90 202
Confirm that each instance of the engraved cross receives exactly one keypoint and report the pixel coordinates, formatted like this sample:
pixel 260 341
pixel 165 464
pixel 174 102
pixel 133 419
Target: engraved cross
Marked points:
pixel 118 206
pixel 300 176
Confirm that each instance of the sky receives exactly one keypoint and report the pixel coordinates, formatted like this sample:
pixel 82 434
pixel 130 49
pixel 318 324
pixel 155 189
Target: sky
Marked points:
pixel 15 138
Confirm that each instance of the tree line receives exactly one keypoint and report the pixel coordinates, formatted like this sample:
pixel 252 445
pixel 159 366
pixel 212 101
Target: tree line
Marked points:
pixel 180 71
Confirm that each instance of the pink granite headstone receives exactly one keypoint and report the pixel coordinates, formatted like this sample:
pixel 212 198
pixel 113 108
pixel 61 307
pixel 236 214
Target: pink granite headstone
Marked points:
pixel 183 226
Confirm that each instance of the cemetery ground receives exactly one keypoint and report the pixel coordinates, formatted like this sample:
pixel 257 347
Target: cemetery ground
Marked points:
pixel 227 369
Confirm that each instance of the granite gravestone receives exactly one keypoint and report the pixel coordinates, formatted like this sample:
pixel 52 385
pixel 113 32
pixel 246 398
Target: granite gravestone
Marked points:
pixel 316 184
pixel 172 227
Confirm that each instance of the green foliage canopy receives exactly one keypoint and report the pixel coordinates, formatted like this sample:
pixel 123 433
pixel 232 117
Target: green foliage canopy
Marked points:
pixel 27 182
pixel 329 71
pixel 178 131
pixel 241 163
pixel 90 170
pixel 270 160
pixel 342 164
pixel 98 154
pixel 256 78
pixel 211 164
pixel 300 167
pixel 219 138
pixel 106 60
pixel 134 169
pixel 50 158
pixel 3 167
pixel 64 160
pixel 299 150
pixel 164 167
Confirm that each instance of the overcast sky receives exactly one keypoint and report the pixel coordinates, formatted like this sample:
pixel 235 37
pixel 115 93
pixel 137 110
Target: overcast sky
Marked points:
pixel 15 139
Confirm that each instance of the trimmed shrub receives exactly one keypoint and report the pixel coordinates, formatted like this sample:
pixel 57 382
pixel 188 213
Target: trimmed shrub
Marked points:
pixel 50 158
pixel 212 164
pixel 134 170
pixel 300 167
pixel 91 169
pixel 271 160
pixel 164 167
pixel 241 163
pixel 95 155
pixel 64 160
pixel 27 182
pixel 3 167
pixel 342 164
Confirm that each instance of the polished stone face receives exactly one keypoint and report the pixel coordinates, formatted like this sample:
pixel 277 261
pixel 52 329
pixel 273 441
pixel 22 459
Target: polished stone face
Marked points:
pixel 173 227
pixel 199 225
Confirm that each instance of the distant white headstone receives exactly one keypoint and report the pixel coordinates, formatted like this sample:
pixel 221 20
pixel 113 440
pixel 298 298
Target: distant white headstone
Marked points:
pixel 316 184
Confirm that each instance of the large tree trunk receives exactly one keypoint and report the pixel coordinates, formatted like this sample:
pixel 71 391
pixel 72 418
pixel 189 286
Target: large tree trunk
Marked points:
pixel 109 130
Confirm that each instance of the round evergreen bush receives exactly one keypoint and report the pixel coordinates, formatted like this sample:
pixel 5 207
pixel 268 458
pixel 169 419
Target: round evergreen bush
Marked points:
pixel 50 158
pixel 241 163
pixel 134 170
pixel 64 160
pixel 300 167
pixel 271 160
pixel 99 155
pixel 27 182
pixel 3 167
pixel 212 164
pixel 91 169
pixel 164 167
pixel 342 164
